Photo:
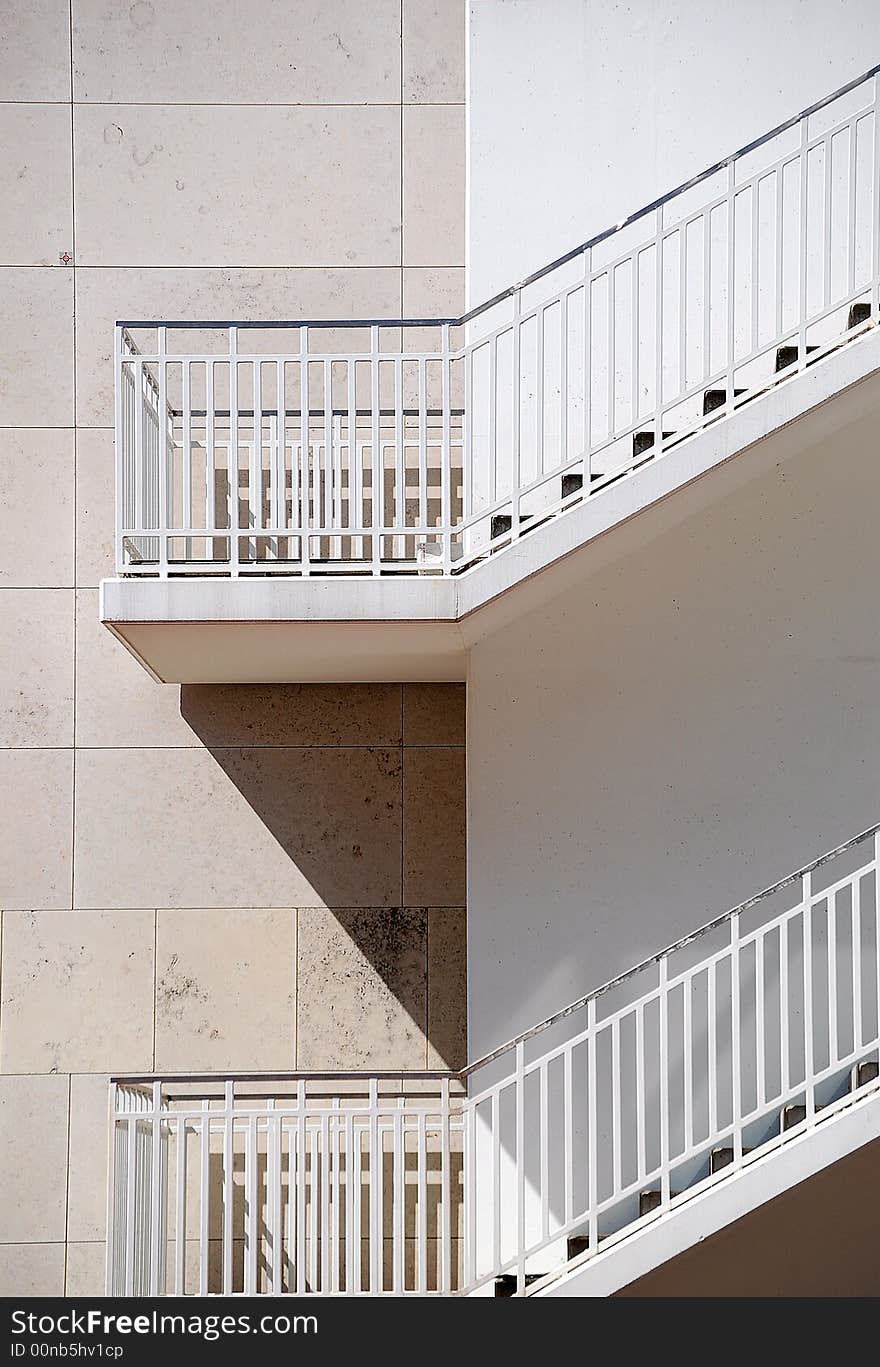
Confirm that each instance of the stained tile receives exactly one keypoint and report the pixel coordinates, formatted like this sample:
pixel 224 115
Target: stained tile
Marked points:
pixel 434 50
pixel 447 988
pixel 35 834
pixel 33 1152
pixel 36 210
pixel 36 679
pixel 434 714
pixel 434 827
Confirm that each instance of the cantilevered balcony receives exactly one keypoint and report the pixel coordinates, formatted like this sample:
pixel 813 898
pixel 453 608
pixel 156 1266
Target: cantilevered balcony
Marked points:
pixel 354 490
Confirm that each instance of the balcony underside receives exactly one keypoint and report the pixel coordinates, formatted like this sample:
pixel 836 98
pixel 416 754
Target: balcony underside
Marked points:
pixel 420 627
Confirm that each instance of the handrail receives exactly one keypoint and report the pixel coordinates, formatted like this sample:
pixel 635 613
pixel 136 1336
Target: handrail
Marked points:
pixel 567 256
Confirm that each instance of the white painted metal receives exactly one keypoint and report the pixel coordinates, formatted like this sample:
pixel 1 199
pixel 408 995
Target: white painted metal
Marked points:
pixel 388 459
pixel 555 1135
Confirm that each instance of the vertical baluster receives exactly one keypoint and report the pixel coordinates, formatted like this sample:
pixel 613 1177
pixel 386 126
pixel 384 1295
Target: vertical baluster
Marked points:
pixel 355 1199
pixel 228 1141
pixel 187 459
pixel 756 262
pixel 588 365
pixel 544 1126
pixel 422 1199
pixel 496 1181
pixel 317 1165
pixel 682 310
pixel 808 994
pixel 875 207
pixel 492 436
pixel 736 1036
pixel 326 1229
pixel 423 445
pixel 851 211
pixel 731 280
pixel 302 1177
pixel 210 456
pixel 273 1201
pixel 616 1137
pixel 563 378
pixel 399 456
pixel 157 1253
pixel 446 1225
pixel 687 988
pixel 663 1007
pixel 335 1197
pixel 826 215
pixel 539 390
pixel 305 470
pixel 778 246
pixel 130 1194
pixel 180 1208
pixel 255 478
pixel 378 500
pixel 634 359
pixel 352 1231
pixel 856 920
pixel 516 414
pixel 592 1128
pixel 446 453
pixel 760 1032
pixel 279 496
pixel 398 1198
pixel 707 295
pixel 329 493
pixel 123 448
pixel 658 331
pixel 519 1103
pixel 375 1240
pixel 568 1137
pixel 204 1194
pixel 641 1155
pixel 711 1012
pixel 355 473
pixel 831 931
pixel 251 1220
pixel 612 354
pixel 785 1062
pixel 163 456
pixel 803 262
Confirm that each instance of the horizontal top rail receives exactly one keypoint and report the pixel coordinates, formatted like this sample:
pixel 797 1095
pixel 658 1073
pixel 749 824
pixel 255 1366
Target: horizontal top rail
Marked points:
pixel 567 256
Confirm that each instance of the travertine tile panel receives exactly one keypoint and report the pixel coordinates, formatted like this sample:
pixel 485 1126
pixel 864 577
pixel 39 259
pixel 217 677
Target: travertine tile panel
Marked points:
pixel 85 1269
pixel 36 508
pixel 117 702
pixel 434 827
pixel 105 295
pixel 35 51
pixel 87 1175
pixel 33 1152
pixel 434 51
pixel 279 827
pixel 433 292
pixel 225 990
pixel 36 677
pixel 433 714
pixel 312 53
pixel 293 714
pixel 77 991
pixel 447 988
pixel 433 185
pixel 35 834
pixel 31 1269
pixel 361 999
pixel 36 358
pixel 95 497
pixel 156 185
pixel 36 209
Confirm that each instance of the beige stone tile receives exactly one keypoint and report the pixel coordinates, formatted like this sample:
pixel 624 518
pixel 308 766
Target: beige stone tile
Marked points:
pixel 105 295
pixel 235 827
pixel 33 1152
pixel 77 991
pixel 293 714
pixel 36 211
pixel 117 702
pixel 95 498
pixel 434 714
pixel 31 1269
pixel 36 358
pixel 361 999
pixel 312 53
pixel 447 988
pixel 156 185
pixel 85 1269
pixel 36 679
pixel 225 990
pixel 87 1173
pixel 433 291
pixel 434 51
pixel 36 508
pixel 35 51
pixel 433 185
pixel 434 827
pixel 35 834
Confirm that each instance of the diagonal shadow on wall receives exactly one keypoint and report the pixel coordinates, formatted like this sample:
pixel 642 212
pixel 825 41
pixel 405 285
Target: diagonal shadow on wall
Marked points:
pixel 372 822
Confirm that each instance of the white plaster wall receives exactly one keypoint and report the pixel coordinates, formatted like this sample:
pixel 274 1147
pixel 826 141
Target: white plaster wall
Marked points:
pixel 581 111
pixel 696 719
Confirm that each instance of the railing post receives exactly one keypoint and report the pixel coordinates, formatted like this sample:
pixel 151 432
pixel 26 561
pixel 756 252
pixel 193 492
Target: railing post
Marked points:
pixel 156 1192
pixel 516 416
pixel 164 454
pixel 592 1129
pixel 111 1252
pixel 810 1100
pixel 875 218
pixel 445 1193
pixel 378 476
pixel 446 452
pixel 663 1007
pixel 736 1037
pixel 232 455
pixel 123 454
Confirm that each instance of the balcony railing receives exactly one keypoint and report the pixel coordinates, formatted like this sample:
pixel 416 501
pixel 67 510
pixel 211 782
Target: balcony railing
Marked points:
pixel 407 446
pixel 623 1106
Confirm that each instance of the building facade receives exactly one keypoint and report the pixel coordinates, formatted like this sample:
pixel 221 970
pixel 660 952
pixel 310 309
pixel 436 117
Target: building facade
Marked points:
pixel 393 992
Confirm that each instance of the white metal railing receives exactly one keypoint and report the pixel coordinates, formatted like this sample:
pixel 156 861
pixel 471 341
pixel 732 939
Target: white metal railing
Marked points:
pixel 627 1103
pixel 407 445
